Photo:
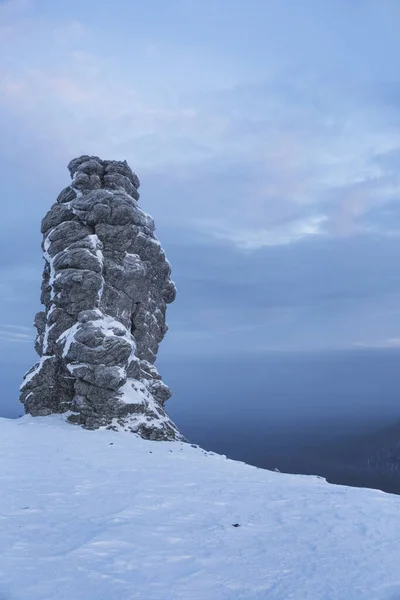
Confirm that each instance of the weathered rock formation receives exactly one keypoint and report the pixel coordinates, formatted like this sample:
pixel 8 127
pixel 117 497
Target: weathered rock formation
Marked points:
pixel 106 284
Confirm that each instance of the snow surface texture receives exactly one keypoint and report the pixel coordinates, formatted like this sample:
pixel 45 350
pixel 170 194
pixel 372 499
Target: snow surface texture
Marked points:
pixel 93 515
pixel 106 284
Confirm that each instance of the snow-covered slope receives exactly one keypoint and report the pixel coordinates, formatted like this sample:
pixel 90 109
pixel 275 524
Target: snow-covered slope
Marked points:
pixel 98 515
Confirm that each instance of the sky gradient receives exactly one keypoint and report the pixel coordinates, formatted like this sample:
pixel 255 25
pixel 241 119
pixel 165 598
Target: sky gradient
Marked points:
pixel 266 138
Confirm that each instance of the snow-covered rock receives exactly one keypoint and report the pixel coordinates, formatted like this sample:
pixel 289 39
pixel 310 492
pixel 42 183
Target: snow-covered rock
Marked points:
pixel 90 515
pixel 106 284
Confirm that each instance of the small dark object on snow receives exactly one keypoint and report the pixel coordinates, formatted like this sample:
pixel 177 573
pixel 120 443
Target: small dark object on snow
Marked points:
pixel 235 525
pixel 111 443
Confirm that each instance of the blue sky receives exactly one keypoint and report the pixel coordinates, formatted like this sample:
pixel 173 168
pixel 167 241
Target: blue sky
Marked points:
pixel 266 137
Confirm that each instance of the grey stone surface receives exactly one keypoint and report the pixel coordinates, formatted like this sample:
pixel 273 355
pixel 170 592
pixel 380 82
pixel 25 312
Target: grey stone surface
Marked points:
pixel 106 283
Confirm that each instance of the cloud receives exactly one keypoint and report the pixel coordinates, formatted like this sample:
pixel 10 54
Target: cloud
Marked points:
pixel 297 155
pixel 275 235
pixel 16 334
pixel 391 343
pixel 318 293
pixel 270 160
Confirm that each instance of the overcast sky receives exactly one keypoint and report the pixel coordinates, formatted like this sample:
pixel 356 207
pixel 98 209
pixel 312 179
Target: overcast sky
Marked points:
pixel 266 137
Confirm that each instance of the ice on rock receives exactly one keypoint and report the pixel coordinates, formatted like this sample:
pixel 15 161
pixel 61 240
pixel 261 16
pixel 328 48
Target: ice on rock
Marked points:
pixel 106 284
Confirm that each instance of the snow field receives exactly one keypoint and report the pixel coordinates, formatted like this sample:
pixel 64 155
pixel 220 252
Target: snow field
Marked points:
pixel 99 515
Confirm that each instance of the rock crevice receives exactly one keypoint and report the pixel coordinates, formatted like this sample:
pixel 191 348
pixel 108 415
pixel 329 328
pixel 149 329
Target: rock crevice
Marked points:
pixel 106 283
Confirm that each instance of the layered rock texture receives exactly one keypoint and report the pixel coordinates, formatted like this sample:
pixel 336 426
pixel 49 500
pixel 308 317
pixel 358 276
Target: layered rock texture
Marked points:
pixel 106 284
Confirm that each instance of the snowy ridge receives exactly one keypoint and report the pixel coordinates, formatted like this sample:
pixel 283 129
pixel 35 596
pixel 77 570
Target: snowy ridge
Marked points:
pixel 96 245
pixel 49 260
pixel 34 371
pixel 108 326
pixel 135 392
pixel 90 515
